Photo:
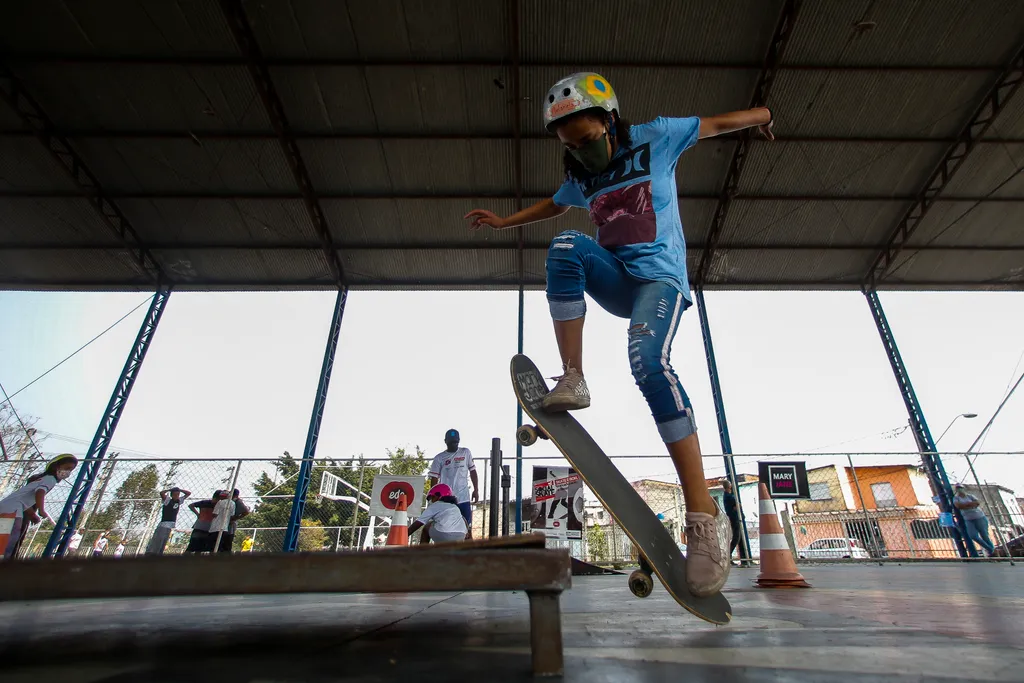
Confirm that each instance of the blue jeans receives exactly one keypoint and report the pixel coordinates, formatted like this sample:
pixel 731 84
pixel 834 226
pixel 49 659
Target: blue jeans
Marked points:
pixel 576 264
pixel 977 529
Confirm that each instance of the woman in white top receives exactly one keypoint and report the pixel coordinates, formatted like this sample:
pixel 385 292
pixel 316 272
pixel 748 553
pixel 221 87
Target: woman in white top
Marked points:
pixel 18 506
pixel 443 519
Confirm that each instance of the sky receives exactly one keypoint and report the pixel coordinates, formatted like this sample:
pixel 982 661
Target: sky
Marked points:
pixel 232 375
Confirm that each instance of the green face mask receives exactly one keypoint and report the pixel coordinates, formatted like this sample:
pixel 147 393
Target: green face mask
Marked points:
pixel 593 155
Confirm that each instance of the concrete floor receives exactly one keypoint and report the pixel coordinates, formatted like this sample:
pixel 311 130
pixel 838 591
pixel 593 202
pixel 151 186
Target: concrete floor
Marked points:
pixel 914 622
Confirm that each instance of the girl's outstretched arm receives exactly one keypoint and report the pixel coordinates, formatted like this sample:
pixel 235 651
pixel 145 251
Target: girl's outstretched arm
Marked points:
pixel 542 210
pixel 738 120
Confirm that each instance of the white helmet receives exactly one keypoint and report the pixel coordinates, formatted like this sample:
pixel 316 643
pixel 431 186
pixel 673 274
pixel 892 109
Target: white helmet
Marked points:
pixel 576 93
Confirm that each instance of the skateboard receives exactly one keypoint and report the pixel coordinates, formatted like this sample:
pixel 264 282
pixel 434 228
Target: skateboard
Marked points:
pixel 658 551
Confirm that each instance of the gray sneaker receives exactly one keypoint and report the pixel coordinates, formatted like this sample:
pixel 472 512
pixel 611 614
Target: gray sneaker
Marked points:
pixel 707 552
pixel 570 393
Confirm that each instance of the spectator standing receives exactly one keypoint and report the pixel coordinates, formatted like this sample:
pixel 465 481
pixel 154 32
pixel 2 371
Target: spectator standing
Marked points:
pixel 239 510
pixel 171 500
pixel 454 467
pixel 200 541
pixel 223 510
pixel 75 542
pixel 733 513
pixel 100 545
pixel 974 518
pixel 119 550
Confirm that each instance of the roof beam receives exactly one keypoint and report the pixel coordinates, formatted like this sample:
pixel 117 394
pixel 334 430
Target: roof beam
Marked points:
pixel 238 22
pixel 509 282
pixel 468 245
pixel 993 102
pixel 517 131
pixel 198 136
pixel 13 92
pixel 72 59
pixel 730 188
pixel 470 196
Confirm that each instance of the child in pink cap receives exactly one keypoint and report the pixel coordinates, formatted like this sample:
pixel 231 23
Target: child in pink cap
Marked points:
pixel 442 520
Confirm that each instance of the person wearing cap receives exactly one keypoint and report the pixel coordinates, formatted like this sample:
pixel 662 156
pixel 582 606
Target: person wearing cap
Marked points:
pixel 974 518
pixel 624 175
pixel 454 467
pixel 26 505
pixel 442 519
pixel 171 500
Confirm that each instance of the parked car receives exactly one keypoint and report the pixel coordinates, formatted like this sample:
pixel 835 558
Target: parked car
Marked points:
pixel 825 548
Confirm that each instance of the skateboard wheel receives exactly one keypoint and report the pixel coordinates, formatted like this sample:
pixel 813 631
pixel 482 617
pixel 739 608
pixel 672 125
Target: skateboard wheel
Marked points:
pixel 527 435
pixel 640 584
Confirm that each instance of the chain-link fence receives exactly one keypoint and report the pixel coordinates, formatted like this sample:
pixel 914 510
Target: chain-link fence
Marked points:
pixel 860 506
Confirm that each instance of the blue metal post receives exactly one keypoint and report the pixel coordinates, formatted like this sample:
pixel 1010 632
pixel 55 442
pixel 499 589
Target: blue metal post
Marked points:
pixel 291 534
pixel 64 528
pixel 519 423
pixel 723 424
pixel 922 435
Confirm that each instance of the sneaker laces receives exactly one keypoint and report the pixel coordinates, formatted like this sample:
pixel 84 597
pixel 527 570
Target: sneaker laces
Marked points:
pixel 698 537
pixel 565 373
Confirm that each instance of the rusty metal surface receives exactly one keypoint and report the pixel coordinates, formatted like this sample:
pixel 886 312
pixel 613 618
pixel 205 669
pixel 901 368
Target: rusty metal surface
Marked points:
pixel 546 634
pixel 384 571
pixel 534 540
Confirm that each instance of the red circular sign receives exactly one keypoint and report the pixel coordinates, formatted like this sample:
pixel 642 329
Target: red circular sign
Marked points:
pixel 389 494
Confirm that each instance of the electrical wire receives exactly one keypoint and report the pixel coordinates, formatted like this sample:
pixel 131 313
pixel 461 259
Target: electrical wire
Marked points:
pixel 15 411
pixel 79 349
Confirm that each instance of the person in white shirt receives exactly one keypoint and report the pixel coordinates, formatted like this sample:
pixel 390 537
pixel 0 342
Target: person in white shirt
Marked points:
pixel 75 541
pixel 100 545
pixel 223 511
pixel 17 506
pixel 119 550
pixel 454 467
pixel 442 519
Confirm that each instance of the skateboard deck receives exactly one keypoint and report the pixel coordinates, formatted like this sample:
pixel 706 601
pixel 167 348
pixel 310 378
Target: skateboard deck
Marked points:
pixel 625 505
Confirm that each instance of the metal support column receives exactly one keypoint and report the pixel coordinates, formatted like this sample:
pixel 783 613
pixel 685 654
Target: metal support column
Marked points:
pixel 519 423
pixel 923 436
pixel 65 525
pixel 291 534
pixel 723 424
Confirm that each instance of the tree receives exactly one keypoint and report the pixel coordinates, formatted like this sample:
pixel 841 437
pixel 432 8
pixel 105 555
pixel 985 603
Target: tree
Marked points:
pixel 19 455
pixel 172 473
pixel 597 543
pixel 133 503
pixel 312 537
pixel 274 500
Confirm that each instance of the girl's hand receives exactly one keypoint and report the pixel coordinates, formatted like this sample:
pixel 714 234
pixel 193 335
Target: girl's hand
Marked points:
pixel 482 217
pixel 766 130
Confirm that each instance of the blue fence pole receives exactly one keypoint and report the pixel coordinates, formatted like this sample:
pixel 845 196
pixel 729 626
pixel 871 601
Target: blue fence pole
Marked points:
pixel 922 435
pixel 723 423
pixel 519 423
pixel 291 534
pixel 65 525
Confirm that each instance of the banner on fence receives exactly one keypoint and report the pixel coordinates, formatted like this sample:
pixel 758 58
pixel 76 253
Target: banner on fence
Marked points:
pixel 385 494
pixel 784 479
pixel 557 503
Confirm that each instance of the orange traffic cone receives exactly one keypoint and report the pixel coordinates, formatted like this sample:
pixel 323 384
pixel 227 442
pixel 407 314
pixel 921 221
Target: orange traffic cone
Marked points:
pixel 6 527
pixel 399 533
pixel 778 568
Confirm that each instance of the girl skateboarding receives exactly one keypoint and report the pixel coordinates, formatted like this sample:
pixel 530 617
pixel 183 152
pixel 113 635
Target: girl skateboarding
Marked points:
pixel 635 268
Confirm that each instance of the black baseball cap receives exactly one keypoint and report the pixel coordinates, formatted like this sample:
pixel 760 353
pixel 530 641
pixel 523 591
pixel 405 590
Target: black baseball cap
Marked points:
pixel 451 435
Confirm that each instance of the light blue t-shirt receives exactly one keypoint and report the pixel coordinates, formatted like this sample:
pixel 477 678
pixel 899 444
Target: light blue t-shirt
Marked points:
pixel 634 202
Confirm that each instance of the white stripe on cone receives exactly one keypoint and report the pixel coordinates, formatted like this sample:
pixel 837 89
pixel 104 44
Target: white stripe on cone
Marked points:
pixel 766 507
pixel 774 542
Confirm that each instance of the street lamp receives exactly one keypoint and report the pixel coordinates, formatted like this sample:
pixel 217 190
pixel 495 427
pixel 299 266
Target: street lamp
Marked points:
pixel 969 416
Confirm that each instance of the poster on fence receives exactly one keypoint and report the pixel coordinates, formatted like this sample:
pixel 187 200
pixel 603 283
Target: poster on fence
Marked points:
pixel 385 494
pixel 557 503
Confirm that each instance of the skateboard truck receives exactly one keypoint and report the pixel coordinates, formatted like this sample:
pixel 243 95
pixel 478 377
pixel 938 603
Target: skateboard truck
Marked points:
pixel 640 582
pixel 527 435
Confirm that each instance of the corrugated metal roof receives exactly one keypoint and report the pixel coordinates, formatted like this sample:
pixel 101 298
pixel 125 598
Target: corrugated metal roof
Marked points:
pixel 164 111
